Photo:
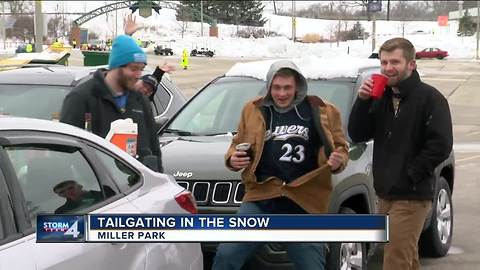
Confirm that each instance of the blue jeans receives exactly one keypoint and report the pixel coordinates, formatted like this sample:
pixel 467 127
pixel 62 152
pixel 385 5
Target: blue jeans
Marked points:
pixel 232 256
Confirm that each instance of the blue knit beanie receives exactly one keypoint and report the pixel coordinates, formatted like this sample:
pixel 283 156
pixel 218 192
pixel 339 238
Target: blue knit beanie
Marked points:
pixel 125 50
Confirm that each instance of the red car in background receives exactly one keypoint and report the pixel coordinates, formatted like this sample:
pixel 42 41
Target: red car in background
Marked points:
pixel 431 53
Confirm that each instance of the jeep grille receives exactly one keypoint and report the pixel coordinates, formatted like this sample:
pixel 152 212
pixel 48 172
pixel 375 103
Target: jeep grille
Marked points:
pixel 215 193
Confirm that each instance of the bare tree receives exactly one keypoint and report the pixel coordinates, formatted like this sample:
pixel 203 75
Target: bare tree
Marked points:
pixel 183 17
pixel 23 27
pixel 19 7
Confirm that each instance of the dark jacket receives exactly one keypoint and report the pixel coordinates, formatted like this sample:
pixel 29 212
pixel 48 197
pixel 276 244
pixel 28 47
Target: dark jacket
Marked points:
pixel 158 74
pixel 95 97
pixel 408 146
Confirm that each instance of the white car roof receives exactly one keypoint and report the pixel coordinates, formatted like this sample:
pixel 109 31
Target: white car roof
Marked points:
pixel 313 67
pixel 32 124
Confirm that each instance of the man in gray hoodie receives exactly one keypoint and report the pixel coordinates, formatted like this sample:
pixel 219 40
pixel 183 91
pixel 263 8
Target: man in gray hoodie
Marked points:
pixel 296 142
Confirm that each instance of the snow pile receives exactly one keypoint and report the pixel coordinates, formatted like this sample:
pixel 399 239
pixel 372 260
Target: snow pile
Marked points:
pixel 311 67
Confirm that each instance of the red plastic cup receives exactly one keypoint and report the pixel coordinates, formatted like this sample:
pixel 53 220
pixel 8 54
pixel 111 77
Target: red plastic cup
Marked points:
pixel 379 83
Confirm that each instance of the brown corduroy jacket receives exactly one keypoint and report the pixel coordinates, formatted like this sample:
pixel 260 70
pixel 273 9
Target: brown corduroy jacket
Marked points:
pixel 312 190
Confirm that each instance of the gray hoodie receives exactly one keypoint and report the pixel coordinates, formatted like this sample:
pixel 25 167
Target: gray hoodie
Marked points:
pixel 301 85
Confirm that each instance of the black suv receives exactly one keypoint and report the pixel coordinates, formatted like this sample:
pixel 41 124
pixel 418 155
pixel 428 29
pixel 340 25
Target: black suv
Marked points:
pixel 195 140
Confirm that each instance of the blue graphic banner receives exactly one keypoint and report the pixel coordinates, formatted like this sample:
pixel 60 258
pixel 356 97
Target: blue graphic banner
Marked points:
pixel 60 228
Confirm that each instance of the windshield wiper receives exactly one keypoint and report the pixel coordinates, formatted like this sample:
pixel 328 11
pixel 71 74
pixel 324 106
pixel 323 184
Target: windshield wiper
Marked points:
pixel 179 132
pixel 229 133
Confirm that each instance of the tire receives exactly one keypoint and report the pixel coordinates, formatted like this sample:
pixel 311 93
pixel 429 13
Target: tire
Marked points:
pixel 436 240
pixel 440 57
pixel 347 255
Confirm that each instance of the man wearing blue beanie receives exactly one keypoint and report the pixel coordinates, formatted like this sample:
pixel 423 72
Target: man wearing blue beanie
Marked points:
pixel 109 95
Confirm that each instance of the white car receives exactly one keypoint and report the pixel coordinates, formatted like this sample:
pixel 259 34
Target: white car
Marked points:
pixel 45 167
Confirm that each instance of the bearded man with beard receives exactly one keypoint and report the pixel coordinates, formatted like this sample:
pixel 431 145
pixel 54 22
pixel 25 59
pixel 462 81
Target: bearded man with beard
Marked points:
pixel 411 128
pixel 109 95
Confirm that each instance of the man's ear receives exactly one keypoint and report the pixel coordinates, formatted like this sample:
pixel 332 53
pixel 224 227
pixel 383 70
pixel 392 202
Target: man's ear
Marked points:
pixel 412 65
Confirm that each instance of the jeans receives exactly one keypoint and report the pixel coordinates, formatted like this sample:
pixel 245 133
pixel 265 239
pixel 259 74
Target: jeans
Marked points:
pixel 232 256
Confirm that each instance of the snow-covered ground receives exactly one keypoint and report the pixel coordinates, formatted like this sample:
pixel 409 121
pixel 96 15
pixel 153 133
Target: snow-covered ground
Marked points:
pixel 164 27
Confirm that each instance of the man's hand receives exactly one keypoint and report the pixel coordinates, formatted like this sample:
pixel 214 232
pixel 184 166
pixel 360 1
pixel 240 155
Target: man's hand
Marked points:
pixel 365 89
pixel 129 24
pixel 335 160
pixel 239 160
pixel 167 68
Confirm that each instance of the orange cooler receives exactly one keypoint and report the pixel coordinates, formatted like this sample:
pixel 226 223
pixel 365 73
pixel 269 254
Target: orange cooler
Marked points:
pixel 123 133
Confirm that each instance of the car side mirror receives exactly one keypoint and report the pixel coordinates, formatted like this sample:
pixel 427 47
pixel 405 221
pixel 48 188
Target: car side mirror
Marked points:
pixel 160 121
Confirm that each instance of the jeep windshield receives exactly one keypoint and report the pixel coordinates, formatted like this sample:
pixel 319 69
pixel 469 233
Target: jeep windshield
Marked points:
pixel 216 109
pixel 34 101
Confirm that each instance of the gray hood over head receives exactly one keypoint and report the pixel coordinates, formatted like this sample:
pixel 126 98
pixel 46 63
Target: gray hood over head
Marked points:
pixel 301 85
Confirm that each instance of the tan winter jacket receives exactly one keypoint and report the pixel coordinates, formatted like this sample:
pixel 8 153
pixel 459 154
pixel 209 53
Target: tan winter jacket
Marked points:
pixel 312 190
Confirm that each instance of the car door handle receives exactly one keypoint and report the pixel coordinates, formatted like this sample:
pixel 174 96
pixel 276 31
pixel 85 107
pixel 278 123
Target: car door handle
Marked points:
pixel 368 169
pixel 119 245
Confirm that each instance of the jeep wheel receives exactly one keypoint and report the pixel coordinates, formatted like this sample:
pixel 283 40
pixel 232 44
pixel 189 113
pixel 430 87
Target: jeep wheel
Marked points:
pixel 343 256
pixel 436 240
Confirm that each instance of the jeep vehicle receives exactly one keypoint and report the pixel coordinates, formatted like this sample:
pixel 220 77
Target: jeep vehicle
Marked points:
pixel 202 51
pixel 196 139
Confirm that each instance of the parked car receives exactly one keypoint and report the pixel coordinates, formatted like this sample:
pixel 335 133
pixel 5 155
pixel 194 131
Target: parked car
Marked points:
pixel 431 53
pixel 202 51
pixel 163 50
pixel 38 155
pixel 96 45
pixel 374 55
pixel 38 91
pixel 195 140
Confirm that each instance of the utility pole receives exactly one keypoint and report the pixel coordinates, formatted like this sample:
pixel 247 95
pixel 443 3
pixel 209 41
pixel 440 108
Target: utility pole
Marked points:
pixel 201 17
pixel 4 33
pixel 388 10
pixel 338 29
pixel 374 31
pixel 478 27
pixel 38 26
pixel 116 22
pixel 294 22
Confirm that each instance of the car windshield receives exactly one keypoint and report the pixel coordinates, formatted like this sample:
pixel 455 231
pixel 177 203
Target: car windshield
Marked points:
pixel 217 108
pixel 35 101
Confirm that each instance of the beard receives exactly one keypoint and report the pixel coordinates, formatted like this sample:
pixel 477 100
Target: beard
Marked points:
pixel 124 81
pixel 398 77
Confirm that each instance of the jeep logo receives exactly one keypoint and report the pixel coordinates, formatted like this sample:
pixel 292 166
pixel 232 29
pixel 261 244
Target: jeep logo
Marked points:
pixel 183 174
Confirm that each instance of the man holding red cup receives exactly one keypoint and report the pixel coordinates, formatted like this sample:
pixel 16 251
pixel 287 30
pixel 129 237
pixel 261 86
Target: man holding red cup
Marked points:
pixel 411 126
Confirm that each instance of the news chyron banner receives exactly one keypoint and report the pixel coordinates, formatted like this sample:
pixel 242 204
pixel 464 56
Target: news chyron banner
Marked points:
pixel 213 228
